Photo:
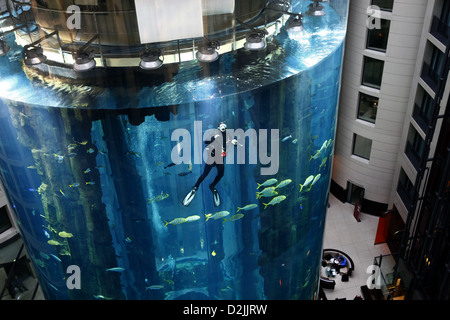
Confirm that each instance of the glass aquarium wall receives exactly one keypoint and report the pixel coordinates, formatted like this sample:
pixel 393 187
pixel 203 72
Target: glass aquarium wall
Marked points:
pixel 98 165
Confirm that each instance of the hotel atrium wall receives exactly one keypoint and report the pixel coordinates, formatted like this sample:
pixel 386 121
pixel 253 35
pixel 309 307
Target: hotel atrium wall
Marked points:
pixel 370 142
pixel 87 158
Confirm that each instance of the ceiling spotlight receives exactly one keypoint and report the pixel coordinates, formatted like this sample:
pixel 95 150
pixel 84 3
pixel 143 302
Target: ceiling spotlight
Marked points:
pixel 150 59
pixel 255 40
pixel 207 52
pixel 4 48
pixel 84 61
pixel 34 55
pixel 315 9
pixel 295 24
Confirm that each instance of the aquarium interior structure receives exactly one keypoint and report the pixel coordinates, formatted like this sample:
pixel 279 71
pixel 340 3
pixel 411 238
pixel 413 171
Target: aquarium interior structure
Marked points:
pixel 93 96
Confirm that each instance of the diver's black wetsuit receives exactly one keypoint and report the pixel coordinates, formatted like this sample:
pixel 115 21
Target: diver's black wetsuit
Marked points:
pixel 220 166
pixel 220 170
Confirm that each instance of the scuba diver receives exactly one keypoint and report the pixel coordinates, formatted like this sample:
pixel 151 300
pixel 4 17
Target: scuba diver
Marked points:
pixel 208 166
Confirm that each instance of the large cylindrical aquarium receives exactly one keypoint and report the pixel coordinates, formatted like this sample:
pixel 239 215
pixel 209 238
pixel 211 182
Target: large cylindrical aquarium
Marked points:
pixel 171 149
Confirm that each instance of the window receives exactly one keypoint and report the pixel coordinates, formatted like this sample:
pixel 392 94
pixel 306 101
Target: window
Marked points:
pixel 372 72
pixel 440 26
pixel 437 61
pixel 427 107
pixel 367 109
pixel 423 112
pixel 445 14
pixel 415 147
pixel 432 71
pixel 361 146
pixel 377 38
pixel 385 5
pixel 405 188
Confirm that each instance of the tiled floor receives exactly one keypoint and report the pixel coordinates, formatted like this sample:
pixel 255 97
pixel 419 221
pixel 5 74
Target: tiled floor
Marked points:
pixel 343 232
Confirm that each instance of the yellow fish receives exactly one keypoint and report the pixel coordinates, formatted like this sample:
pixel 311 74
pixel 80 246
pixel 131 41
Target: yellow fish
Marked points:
pixel 53 242
pixel 274 201
pixel 192 218
pixel 267 183
pixel 269 194
pixel 316 156
pixel 175 221
pixel 234 218
pixel 283 183
pixel 59 158
pixel 133 153
pixel 324 162
pixel 248 207
pixel 216 215
pixel 83 143
pixel 160 197
pixel 266 191
pixel 64 234
pixel 316 178
pixel 307 182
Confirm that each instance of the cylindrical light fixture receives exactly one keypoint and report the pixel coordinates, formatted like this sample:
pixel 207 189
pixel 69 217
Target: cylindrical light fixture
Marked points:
pixel 34 56
pixel 295 24
pixel 255 41
pixel 84 62
pixel 315 9
pixel 150 60
pixel 207 52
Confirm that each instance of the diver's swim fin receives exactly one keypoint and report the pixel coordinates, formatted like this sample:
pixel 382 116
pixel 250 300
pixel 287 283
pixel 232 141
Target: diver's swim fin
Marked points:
pixel 216 196
pixel 189 197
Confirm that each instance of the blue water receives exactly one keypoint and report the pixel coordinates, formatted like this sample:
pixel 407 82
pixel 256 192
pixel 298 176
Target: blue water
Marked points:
pixel 81 164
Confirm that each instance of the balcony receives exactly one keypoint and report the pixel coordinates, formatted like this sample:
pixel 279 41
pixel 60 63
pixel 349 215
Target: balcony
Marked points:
pixel 440 30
